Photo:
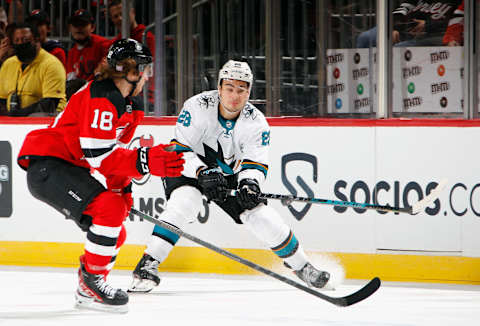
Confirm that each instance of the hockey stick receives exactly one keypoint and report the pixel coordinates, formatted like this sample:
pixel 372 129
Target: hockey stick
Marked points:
pixel 348 300
pixel 415 209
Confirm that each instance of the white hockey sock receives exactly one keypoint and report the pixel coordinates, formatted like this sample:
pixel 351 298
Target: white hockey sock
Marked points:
pixel 267 225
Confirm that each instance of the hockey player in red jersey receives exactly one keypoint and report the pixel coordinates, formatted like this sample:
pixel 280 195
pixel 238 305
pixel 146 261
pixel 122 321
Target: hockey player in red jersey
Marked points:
pixel 90 134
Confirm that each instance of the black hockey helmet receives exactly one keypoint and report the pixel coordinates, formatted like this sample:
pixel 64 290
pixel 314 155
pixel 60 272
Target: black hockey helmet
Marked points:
pixel 129 48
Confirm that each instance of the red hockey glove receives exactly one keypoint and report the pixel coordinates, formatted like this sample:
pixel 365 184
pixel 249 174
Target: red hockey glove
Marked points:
pixel 159 162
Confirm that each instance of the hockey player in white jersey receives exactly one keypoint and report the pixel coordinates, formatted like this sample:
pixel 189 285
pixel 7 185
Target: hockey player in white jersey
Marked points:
pixel 225 142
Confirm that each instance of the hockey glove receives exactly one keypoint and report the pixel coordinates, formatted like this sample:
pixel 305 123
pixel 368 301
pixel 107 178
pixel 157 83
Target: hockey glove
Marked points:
pixel 160 162
pixel 248 196
pixel 214 184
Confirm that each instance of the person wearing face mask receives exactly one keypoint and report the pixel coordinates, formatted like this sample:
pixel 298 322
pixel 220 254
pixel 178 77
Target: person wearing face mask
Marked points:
pixel 89 49
pixel 33 80
pixel 92 133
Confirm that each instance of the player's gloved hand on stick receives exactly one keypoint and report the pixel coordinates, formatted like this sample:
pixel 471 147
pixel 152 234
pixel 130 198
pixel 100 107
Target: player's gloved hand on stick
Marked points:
pixel 213 183
pixel 248 193
pixel 159 161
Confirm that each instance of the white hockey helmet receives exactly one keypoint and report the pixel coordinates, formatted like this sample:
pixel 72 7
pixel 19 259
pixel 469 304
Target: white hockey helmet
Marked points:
pixel 237 70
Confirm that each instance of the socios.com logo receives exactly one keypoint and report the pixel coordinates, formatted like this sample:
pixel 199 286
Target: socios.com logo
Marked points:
pixel 142 141
pixel 459 199
pixel 462 198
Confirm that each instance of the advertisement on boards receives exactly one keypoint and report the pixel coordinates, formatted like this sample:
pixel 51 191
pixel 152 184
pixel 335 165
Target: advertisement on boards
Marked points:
pixel 5 179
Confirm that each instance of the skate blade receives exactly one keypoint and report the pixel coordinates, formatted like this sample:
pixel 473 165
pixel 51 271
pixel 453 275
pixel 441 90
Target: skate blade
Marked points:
pixel 87 303
pixel 141 286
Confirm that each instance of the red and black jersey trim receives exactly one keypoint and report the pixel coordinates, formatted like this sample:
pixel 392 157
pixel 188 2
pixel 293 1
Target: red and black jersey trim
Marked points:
pixel 107 89
pixel 92 153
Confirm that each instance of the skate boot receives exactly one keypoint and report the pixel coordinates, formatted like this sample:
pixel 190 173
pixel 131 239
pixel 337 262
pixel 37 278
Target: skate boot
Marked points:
pixel 145 275
pixel 313 277
pixel 94 293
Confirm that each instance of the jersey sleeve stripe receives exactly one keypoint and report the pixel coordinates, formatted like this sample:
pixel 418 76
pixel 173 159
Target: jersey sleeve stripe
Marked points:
pixel 255 165
pixel 96 150
pixel 92 153
pixel 96 143
pixel 96 161
pixel 179 147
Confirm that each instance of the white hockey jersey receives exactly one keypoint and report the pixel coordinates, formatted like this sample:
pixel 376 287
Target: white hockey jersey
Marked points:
pixel 208 140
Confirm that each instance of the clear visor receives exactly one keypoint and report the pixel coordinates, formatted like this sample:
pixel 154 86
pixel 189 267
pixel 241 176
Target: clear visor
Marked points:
pixel 146 69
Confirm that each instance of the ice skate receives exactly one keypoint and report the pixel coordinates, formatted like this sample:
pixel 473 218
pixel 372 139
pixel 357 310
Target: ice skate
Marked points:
pixel 145 275
pixel 95 293
pixel 314 277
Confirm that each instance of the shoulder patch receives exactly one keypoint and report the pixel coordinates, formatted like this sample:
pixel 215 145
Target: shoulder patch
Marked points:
pixel 249 111
pixel 204 101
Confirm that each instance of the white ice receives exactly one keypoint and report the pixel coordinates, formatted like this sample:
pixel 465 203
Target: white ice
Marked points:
pixel 45 296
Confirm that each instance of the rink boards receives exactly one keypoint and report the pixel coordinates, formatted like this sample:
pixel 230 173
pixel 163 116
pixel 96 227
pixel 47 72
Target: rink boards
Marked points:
pixel 394 162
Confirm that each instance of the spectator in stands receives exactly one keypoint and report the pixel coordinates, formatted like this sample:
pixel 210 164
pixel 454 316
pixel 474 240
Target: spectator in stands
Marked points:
pixel 136 33
pixel 6 49
pixel 454 33
pixel 3 20
pixel 15 11
pixel 136 30
pixel 89 50
pixel 33 80
pixel 41 19
pixel 416 23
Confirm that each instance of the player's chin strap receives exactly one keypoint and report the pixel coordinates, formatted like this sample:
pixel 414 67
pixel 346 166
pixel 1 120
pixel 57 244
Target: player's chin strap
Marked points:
pixel 133 83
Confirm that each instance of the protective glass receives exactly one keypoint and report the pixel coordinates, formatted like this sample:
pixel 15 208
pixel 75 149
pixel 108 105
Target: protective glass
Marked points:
pixel 146 69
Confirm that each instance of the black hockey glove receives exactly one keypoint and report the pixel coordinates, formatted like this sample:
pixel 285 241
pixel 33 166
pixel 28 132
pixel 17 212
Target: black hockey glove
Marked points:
pixel 214 184
pixel 248 196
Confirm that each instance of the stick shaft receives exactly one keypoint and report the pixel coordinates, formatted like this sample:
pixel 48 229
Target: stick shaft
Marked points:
pixel 348 300
pixel 228 254
pixel 385 208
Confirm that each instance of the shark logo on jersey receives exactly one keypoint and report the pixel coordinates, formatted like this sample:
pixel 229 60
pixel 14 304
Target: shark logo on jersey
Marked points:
pixel 214 158
pixel 249 111
pixel 205 101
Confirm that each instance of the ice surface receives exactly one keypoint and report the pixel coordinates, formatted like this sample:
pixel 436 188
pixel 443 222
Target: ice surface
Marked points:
pixel 45 296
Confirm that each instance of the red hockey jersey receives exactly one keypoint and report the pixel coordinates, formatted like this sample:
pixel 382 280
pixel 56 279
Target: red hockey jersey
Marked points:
pixel 91 132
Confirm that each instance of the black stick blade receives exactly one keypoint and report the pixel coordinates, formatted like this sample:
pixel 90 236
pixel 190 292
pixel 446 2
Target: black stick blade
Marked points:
pixel 358 296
